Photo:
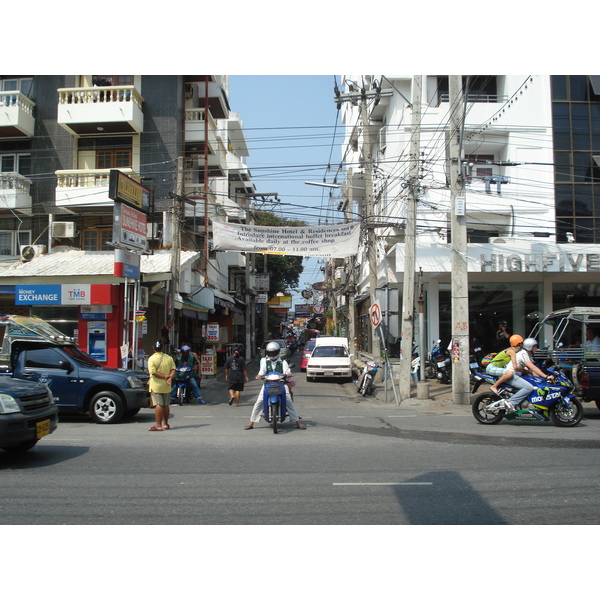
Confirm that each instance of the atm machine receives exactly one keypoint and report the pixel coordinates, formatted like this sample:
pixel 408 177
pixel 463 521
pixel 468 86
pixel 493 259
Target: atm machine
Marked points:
pixel 97 340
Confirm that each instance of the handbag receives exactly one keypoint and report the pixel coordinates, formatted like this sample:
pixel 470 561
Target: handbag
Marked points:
pixel 291 382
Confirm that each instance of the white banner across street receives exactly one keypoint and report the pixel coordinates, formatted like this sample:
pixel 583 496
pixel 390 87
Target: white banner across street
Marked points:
pixel 326 241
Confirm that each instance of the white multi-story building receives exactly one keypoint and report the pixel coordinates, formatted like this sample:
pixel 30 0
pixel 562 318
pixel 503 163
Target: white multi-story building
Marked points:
pixel 523 255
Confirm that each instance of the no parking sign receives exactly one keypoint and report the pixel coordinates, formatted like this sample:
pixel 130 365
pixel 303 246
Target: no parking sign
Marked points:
pixel 375 314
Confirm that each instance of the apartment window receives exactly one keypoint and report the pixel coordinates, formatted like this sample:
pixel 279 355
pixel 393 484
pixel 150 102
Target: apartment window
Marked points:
pixel 16 163
pixel 95 239
pixel 11 241
pixel 113 159
pixel 21 84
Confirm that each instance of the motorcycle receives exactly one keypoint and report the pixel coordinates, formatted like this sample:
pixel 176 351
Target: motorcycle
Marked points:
pixel 274 399
pixel 443 366
pixel 366 380
pixel 547 402
pixel 183 375
pixel 431 364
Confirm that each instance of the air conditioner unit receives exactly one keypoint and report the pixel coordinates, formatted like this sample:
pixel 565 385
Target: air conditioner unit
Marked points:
pixel 63 229
pixel 144 297
pixel 31 251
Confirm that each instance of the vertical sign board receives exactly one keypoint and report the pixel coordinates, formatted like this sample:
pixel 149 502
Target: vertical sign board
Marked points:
pixel 212 332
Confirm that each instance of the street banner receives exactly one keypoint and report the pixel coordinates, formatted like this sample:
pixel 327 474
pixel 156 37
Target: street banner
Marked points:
pixel 328 241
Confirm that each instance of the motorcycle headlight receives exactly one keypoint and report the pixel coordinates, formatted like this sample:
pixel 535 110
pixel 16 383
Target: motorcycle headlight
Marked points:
pixel 134 382
pixel 8 405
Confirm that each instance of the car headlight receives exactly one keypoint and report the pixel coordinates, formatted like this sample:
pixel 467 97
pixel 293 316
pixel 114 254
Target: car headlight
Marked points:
pixel 135 382
pixel 8 405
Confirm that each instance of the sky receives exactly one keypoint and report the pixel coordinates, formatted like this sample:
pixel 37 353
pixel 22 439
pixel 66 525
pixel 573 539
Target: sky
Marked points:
pixel 290 126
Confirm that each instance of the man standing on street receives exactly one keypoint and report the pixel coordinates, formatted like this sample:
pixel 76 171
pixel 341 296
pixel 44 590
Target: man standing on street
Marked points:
pixel 162 369
pixel 236 374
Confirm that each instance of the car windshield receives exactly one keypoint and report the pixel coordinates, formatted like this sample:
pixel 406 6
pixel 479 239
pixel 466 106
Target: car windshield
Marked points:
pixel 330 351
pixel 309 347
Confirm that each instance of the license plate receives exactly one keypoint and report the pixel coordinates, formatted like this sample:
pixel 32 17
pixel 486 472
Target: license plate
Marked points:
pixel 474 366
pixel 328 374
pixel 42 428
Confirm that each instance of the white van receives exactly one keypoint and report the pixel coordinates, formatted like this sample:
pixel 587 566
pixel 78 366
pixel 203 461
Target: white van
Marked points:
pixel 330 358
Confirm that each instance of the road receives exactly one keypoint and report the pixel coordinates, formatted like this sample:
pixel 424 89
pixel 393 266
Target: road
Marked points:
pixel 358 462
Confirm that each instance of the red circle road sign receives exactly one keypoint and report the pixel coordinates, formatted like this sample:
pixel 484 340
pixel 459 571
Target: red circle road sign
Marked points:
pixel 375 314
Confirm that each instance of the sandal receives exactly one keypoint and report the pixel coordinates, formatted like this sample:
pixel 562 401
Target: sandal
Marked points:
pixel 167 426
pixel 155 429
pixel 300 426
pixel 249 427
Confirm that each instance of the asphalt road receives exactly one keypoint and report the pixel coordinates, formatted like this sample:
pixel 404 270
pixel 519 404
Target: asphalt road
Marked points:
pixel 358 462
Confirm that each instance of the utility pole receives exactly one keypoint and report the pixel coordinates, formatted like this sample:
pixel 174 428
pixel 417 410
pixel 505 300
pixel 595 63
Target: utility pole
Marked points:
pixel 410 243
pixel 371 239
pixel 177 208
pixel 460 276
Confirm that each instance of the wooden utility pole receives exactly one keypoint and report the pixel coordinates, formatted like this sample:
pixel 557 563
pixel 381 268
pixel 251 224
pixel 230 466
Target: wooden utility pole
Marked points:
pixel 460 277
pixel 410 243
pixel 178 207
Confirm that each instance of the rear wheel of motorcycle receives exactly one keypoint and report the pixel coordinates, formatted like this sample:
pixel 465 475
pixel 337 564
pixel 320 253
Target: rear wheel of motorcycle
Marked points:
pixel 478 408
pixel 274 415
pixel 562 416
pixel 430 372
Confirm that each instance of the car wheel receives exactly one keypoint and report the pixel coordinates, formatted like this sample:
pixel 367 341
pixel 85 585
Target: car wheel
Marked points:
pixel 106 408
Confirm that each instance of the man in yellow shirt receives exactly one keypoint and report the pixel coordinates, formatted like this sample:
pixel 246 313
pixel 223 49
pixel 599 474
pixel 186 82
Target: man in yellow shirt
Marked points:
pixel 162 370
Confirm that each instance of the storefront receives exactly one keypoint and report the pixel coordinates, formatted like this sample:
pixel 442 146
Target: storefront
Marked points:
pixel 517 280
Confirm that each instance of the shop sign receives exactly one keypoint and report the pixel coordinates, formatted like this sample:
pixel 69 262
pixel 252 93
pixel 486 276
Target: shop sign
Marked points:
pixel 129 227
pixel 262 283
pixel 208 364
pixel 65 294
pixel 127 264
pixel 125 189
pixel 212 332
pixel 262 298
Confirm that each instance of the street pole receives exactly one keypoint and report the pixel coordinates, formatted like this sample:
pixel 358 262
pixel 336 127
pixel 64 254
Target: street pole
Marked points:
pixel 460 275
pixel 371 239
pixel 410 244
pixel 178 205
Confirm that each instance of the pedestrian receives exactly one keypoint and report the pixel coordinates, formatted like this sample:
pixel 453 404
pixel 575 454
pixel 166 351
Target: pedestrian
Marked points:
pixel 162 370
pixel 236 374
pixel 502 335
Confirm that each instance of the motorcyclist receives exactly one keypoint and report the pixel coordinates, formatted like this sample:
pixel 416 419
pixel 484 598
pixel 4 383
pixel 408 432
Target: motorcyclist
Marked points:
pixel 272 362
pixel 524 364
pixel 187 359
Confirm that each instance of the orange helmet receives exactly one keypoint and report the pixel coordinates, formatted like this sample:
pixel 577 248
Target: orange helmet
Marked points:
pixel 515 340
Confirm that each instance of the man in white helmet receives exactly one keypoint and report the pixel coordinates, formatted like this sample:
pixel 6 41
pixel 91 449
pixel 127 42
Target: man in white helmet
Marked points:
pixel 272 362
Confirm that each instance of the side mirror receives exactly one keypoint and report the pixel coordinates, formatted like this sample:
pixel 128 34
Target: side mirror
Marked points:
pixel 65 365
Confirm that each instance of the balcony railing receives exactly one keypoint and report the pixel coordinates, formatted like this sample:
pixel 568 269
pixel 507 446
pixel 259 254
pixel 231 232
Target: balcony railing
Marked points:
pixel 80 178
pixel 105 94
pixel 16 115
pixel 17 99
pixel 15 182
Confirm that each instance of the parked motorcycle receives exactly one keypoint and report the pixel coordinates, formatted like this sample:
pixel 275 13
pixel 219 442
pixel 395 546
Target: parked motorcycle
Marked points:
pixel 443 366
pixel 183 375
pixel 365 382
pixel 274 399
pixel 431 364
pixel 547 402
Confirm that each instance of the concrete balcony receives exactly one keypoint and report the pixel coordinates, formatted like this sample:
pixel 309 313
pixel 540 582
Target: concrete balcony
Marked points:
pixel 15 192
pixel 16 115
pixel 88 187
pixel 196 134
pixel 110 109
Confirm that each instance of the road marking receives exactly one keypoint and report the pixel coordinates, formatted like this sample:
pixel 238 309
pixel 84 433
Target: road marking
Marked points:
pixel 350 417
pixel 391 483
pixel 400 416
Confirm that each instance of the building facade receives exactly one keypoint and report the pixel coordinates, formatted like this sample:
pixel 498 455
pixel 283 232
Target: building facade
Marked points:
pixel 529 160
pixel 174 137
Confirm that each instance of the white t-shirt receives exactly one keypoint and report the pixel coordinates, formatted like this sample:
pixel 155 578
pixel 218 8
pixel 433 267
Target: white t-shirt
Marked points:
pixel 521 357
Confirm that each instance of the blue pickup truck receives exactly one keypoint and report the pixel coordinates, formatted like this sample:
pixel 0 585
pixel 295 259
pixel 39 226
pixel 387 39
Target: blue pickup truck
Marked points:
pixel 574 348
pixel 38 352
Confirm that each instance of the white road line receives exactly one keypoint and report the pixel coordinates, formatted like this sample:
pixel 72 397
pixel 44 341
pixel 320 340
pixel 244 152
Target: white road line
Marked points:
pixel 350 417
pixel 400 416
pixel 391 483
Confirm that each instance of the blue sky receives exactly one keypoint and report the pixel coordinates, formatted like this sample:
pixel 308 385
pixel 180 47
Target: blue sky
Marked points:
pixel 290 126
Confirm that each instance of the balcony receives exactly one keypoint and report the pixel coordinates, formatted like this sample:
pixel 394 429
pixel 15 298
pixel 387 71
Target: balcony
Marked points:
pixel 15 192
pixel 109 109
pixel 195 131
pixel 88 187
pixel 217 101
pixel 16 115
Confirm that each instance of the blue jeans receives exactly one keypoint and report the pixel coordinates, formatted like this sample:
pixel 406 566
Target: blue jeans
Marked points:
pixel 524 389
pixel 195 389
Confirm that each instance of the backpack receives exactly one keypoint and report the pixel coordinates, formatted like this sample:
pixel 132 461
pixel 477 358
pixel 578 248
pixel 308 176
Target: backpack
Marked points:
pixel 487 359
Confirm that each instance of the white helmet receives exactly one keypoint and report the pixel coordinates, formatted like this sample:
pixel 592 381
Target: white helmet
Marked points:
pixel 529 344
pixel 272 350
